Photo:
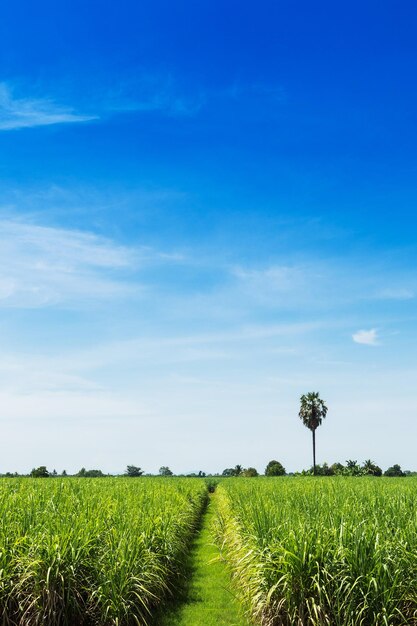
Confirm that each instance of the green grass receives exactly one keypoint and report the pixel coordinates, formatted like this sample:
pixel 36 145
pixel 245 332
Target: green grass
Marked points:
pixel 209 599
pixel 323 552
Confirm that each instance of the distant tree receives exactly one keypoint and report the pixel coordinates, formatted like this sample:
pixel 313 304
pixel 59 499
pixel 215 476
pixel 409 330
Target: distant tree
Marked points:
pixel 250 472
pixel 133 471
pixel 54 472
pixel 165 471
pixel 40 472
pixel 337 468
pixel 312 412
pixel 233 471
pixel 64 473
pixel 325 470
pixel 353 468
pixel 371 469
pixel 237 470
pixel 201 474
pixel 395 470
pixel 321 470
pixel 275 468
pixel 93 473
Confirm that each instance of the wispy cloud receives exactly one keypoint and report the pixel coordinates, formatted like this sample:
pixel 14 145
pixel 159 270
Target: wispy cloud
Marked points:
pixel 27 112
pixel 397 293
pixel 287 285
pixel 366 337
pixel 325 283
pixel 40 265
pixel 276 278
pixel 164 93
pixel 153 92
pixel 78 370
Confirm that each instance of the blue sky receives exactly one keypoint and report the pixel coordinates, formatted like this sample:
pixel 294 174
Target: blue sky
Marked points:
pixel 207 209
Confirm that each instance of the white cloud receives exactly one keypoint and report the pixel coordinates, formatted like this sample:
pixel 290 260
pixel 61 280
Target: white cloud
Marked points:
pixel 16 113
pixel 366 337
pixel 41 265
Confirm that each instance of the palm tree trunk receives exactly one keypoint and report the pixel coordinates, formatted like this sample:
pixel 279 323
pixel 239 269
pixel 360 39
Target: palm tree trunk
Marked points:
pixel 314 451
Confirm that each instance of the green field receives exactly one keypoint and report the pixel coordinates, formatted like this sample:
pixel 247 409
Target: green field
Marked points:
pixel 285 551
pixel 332 551
pixel 92 551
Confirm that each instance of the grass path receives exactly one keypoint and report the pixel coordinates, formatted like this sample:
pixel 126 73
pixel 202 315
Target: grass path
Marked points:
pixel 209 600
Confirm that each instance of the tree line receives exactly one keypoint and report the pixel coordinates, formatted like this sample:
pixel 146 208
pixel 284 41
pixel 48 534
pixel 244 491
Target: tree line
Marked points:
pixel 273 468
pixel 351 468
pixel 131 470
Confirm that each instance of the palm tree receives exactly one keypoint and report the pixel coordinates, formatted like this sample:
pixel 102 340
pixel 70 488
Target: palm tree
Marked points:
pixel 312 412
pixel 369 467
pixel 238 470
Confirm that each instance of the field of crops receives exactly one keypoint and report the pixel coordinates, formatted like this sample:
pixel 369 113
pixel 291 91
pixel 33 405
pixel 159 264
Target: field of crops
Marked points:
pixel 92 551
pixel 302 551
pixel 329 552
